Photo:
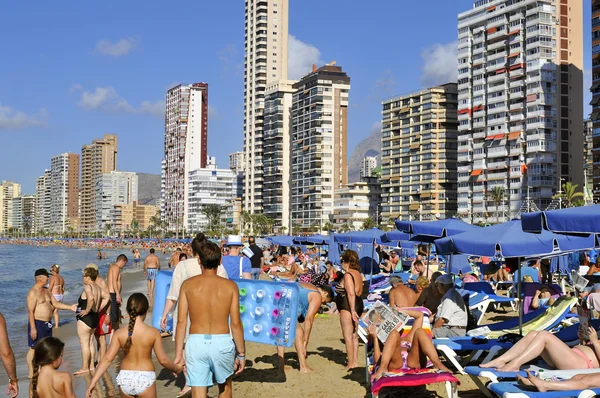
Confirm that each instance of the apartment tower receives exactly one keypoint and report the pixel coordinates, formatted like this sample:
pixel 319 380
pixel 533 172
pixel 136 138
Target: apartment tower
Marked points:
pixel 318 145
pixel 97 158
pixel 418 161
pixel 266 61
pixel 595 89
pixel 8 191
pixel 114 188
pixel 186 149
pixel 367 165
pixel 276 152
pixel 64 192
pixel 520 105
pixel 43 195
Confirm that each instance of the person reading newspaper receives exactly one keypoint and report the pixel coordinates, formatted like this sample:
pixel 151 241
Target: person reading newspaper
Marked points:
pixel 385 319
pixel 404 353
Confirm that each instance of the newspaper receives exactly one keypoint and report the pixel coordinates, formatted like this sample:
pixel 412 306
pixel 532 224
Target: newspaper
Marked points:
pixel 579 282
pixel 585 315
pixel 385 318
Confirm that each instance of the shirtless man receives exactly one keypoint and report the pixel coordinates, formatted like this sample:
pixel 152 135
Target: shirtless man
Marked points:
pixel 209 349
pixel 57 288
pixel 401 296
pixel 174 258
pixel 40 307
pixel 104 326
pixel 114 288
pixel 151 267
pixel 136 256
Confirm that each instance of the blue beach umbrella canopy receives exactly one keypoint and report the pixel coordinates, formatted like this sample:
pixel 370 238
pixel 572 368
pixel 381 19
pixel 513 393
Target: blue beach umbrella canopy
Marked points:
pixel 584 219
pixel 509 240
pixel 281 240
pixel 314 239
pixel 394 236
pixel 366 236
pixel 428 231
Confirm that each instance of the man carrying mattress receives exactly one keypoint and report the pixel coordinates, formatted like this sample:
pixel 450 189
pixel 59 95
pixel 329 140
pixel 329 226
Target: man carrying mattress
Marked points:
pixel 451 317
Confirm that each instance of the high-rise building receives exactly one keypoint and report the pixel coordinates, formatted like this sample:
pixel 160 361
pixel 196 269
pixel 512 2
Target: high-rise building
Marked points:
pixel 8 191
pixel 520 103
pixel 276 152
pixel 186 149
pixel 64 192
pixel 367 166
pixel 124 214
pixel 114 188
pixel 208 186
pixel 595 89
pixel 353 206
pixel 23 213
pixel 43 195
pixel 418 162
pixel 318 145
pixel 97 158
pixel 266 61
pixel 236 162
pixel 588 152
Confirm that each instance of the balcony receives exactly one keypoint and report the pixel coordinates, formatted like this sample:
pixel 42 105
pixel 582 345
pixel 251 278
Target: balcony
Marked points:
pixel 497 152
pixel 478 135
pixel 477 125
pixel 496 78
pixel 463 169
pixel 464 157
pixel 496 165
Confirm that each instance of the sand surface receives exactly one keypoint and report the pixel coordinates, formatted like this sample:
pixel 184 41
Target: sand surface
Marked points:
pixel 326 355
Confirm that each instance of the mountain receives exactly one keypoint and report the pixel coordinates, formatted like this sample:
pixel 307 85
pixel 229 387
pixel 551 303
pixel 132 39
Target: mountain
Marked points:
pixel 370 146
pixel 148 188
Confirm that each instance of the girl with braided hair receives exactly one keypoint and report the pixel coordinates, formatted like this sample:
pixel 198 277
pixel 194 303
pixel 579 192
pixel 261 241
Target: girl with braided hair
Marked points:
pixel 137 374
pixel 46 381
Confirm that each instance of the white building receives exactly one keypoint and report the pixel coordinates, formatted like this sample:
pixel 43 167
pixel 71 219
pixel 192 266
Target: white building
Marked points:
pixel 367 165
pixel 23 209
pixel 236 162
pixel 8 191
pixel 185 148
pixel 353 206
pixel 42 202
pixel 114 188
pixel 64 192
pixel 208 186
pixel 266 61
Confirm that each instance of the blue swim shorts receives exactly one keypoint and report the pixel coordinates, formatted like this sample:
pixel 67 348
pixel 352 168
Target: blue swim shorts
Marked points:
pixel 207 355
pixel 151 272
pixel 44 329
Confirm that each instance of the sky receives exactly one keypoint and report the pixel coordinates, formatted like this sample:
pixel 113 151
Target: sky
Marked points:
pixel 72 72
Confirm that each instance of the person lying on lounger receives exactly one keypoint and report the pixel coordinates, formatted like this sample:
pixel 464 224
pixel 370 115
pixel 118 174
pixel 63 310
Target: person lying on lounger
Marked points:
pixel 555 352
pixel 577 382
pixel 409 352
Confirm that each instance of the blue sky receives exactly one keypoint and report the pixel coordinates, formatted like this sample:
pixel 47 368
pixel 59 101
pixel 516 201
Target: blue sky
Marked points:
pixel 73 72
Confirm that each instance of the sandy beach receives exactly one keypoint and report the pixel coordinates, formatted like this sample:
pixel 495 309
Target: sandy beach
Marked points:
pixel 326 355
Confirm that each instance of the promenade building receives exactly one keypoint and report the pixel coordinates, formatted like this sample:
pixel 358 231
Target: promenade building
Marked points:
pixel 266 61
pixel 97 158
pixel 276 152
pixel 123 216
pixel 353 206
pixel 318 145
pixel 367 165
pixel 520 103
pixel 185 149
pixel 419 150
pixel 595 89
pixel 8 191
pixel 114 188
pixel 64 192
pixel 23 213
pixel 43 202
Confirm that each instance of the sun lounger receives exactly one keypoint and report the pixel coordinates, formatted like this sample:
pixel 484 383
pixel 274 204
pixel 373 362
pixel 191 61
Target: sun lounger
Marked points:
pixel 485 287
pixel 418 377
pixel 512 390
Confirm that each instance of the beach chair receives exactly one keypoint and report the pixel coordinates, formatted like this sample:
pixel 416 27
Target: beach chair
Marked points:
pixel 478 303
pixel 512 390
pixel 487 288
pixel 529 290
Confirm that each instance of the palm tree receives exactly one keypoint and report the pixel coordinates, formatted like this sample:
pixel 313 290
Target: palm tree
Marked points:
pixel 107 228
pixel 245 220
pixel 368 223
pixel 156 222
pixel 328 226
pixel 135 227
pixel 345 227
pixel 497 194
pixel 213 214
pixel 569 193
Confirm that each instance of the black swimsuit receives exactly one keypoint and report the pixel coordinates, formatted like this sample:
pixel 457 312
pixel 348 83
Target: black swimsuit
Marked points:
pixel 91 319
pixel 342 303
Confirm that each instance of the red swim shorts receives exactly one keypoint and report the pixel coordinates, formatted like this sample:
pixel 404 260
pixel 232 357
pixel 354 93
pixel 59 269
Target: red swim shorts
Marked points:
pixel 103 328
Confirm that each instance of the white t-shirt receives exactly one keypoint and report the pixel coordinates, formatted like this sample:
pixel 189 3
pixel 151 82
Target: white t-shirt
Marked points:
pixel 453 309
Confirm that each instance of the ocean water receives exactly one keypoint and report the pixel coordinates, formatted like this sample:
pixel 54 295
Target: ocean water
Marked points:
pixel 17 266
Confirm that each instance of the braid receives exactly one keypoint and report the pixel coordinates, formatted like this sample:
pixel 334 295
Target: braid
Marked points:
pixel 34 379
pixel 132 317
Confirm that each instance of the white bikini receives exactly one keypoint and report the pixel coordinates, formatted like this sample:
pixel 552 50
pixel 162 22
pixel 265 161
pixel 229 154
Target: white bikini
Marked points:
pixel 135 382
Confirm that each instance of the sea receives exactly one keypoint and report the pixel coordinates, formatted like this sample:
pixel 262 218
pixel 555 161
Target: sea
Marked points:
pixel 17 266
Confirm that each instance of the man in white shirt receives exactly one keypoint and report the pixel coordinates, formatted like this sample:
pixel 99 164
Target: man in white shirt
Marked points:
pixel 451 317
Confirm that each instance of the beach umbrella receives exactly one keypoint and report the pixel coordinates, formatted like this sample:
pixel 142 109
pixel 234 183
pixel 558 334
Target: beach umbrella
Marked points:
pixel 281 240
pixel 333 249
pixel 584 219
pixel 394 236
pixel 429 231
pixel 366 236
pixel 314 239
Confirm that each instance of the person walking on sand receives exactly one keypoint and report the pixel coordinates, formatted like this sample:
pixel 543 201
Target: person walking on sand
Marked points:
pixel 104 326
pixel 151 268
pixel 40 307
pixel 236 265
pixel 213 305
pixel 174 258
pixel 46 382
pixel 8 360
pixel 114 289
pixel 137 375
pixel 57 288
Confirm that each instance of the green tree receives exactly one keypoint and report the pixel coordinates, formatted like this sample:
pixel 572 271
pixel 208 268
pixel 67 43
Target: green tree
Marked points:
pixel 156 223
pixel 246 222
pixel 282 230
pixel 369 223
pixel 107 229
pixel 497 195
pixel 328 226
pixel 345 228
pixel 135 227
pixel 569 193
pixel 213 214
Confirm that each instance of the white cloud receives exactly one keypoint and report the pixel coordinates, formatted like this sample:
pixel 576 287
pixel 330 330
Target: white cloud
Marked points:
pixel 107 99
pixel 301 57
pixel 440 64
pixel 12 119
pixel 122 47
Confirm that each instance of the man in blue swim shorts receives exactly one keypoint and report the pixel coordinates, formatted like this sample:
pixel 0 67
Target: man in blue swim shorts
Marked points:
pixel 151 268
pixel 213 304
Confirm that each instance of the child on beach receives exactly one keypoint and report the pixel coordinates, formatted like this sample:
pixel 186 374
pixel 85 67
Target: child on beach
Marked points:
pixel 46 381
pixel 137 374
